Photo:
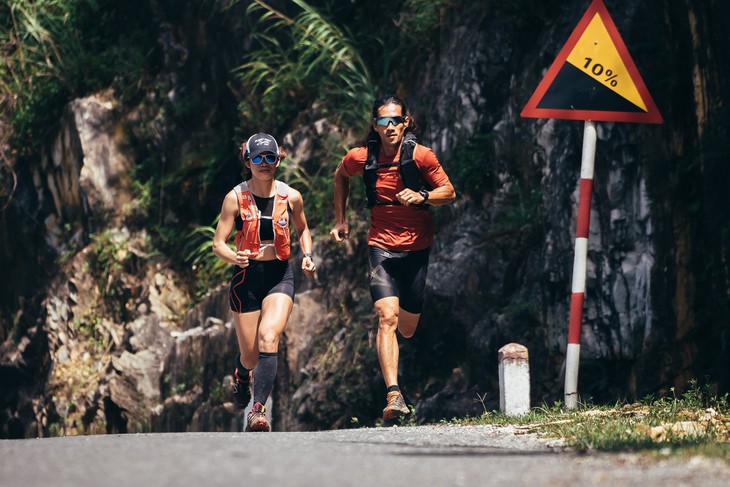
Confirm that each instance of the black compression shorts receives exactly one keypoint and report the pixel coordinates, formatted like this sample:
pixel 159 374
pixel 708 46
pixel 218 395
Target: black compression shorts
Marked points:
pixel 250 285
pixel 401 274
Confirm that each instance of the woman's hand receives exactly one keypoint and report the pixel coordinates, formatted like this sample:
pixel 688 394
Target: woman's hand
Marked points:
pixel 308 266
pixel 242 258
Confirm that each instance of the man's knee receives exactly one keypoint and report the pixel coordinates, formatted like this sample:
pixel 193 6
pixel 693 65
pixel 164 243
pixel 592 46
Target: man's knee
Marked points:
pixel 388 319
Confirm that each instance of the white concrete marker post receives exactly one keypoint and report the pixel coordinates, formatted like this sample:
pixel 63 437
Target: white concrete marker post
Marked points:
pixel 514 380
pixel 579 265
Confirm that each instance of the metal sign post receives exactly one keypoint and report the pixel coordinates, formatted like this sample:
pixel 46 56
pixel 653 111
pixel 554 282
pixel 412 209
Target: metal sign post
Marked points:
pixel 579 264
pixel 592 79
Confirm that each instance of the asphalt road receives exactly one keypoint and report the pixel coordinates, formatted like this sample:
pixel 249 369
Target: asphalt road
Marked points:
pixel 383 457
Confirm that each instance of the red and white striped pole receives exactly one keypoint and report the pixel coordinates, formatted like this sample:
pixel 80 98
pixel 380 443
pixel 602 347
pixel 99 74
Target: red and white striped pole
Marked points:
pixel 579 264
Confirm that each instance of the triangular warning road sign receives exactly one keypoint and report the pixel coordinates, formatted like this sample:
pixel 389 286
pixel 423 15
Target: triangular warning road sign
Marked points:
pixel 593 77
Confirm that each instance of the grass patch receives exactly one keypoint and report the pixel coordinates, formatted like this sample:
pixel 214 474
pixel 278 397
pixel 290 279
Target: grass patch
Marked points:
pixel 694 423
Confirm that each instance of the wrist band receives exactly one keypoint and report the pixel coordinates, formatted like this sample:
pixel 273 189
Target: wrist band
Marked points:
pixel 308 254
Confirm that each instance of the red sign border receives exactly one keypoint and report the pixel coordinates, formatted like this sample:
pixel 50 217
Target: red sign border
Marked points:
pixel 651 116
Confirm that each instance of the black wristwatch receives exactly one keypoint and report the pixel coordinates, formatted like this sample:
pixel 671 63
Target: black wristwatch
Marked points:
pixel 308 254
pixel 425 195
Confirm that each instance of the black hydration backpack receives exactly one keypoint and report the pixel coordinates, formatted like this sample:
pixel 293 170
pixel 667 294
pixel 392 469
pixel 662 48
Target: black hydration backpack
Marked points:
pixel 406 166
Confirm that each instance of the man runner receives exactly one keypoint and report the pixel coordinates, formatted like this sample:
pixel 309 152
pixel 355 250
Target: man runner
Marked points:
pixel 402 179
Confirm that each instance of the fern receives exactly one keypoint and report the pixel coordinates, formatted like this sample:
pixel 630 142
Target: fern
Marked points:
pixel 208 268
pixel 304 55
pixel 28 32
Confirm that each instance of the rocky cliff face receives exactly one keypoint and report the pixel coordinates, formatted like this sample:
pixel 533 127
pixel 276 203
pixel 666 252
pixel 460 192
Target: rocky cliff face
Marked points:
pixel 657 297
pixel 641 300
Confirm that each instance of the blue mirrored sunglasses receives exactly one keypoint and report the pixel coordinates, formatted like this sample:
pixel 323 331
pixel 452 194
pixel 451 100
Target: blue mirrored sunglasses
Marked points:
pixel 384 121
pixel 269 158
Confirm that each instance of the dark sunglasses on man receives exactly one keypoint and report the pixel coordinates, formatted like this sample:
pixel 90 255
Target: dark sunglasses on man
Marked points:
pixel 385 121
pixel 269 158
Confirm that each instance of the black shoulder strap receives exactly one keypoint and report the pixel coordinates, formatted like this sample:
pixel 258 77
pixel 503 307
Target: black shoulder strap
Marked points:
pixel 370 173
pixel 407 166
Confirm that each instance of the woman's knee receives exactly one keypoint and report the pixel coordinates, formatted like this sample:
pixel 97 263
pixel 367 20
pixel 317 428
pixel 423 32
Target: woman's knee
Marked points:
pixel 268 341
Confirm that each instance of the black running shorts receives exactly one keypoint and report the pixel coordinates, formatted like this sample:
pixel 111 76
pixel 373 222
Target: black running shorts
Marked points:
pixel 250 285
pixel 401 274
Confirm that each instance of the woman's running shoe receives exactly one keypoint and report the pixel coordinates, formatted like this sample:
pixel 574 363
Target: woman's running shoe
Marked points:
pixel 257 418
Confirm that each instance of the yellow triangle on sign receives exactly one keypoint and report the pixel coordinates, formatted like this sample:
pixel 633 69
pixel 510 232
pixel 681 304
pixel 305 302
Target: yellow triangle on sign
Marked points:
pixel 593 77
pixel 596 55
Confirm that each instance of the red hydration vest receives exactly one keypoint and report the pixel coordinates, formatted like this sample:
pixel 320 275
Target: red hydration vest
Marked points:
pixel 248 237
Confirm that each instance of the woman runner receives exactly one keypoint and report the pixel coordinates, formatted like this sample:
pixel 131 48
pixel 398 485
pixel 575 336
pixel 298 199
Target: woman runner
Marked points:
pixel 262 286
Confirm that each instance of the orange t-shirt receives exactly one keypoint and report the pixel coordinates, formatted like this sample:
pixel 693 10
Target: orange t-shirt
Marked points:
pixel 397 227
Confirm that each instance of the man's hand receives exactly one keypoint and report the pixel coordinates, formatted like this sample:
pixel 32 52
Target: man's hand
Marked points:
pixel 340 232
pixel 409 197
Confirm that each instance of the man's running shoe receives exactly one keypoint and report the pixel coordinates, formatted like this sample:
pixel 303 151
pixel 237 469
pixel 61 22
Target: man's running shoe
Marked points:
pixel 241 390
pixel 257 418
pixel 396 407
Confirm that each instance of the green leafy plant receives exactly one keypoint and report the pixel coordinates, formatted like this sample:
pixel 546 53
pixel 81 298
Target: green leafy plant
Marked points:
pixel 423 19
pixel 696 422
pixel 90 328
pixel 210 271
pixel 314 180
pixel 218 393
pixel 315 61
pixel 109 253
pixel 31 81
pixel 54 50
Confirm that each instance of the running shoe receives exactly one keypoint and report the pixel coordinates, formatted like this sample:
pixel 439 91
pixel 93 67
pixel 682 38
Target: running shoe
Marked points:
pixel 241 390
pixel 257 418
pixel 396 407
